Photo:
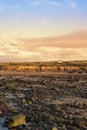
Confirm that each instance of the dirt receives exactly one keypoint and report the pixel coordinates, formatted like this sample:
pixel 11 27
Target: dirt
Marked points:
pixel 49 100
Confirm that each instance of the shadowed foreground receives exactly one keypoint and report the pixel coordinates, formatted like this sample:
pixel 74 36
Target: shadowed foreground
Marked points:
pixel 49 100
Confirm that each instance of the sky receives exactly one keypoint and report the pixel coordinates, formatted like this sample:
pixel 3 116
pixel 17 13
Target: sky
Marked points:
pixel 43 30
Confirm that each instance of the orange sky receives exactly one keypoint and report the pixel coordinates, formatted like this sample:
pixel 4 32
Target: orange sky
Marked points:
pixel 42 30
pixel 68 47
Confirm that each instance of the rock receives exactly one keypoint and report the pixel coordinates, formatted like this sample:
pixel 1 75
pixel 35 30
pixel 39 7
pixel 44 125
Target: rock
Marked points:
pixel 0 112
pixel 55 104
pixel 54 128
pixel 51 118
pixel 15 121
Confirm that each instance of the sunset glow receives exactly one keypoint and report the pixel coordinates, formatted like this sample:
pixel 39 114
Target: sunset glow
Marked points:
pixel 43 30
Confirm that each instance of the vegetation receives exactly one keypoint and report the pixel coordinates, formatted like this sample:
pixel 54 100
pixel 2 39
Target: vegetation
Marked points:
pixel 58 66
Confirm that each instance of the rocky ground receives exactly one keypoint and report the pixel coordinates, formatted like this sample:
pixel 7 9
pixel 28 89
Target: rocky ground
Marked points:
pixel 50 101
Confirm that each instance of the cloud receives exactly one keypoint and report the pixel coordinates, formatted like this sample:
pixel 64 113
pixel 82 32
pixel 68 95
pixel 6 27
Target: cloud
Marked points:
pixel 13 7
pixel 68 47
pixel 44 3
pixel 74 40
pixel 72 4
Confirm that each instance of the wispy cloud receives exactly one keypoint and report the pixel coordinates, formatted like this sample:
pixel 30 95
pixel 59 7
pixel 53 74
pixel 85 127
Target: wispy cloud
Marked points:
pixel 69 47
pixel 45 3
pixel 72 46
pixel 13 7
pixel 74 41
pixel 72 4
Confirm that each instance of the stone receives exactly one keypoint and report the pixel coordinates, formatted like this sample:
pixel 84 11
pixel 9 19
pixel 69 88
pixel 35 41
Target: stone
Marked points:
pixel 54 128
pixel 1 112
pixel 15 121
